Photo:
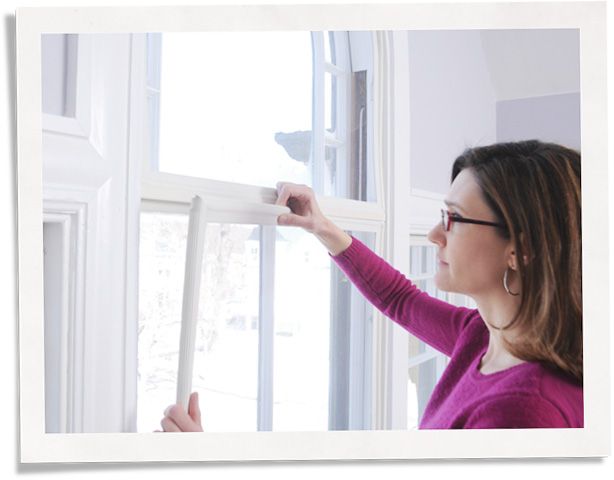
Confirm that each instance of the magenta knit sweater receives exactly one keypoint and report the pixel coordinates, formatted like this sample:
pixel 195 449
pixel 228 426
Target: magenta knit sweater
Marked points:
pixel 528 395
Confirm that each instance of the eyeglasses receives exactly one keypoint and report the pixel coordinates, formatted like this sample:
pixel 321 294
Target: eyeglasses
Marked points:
pixel 447 218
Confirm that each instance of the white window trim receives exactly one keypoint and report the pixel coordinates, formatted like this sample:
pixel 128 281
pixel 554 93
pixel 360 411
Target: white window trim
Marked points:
pixel 79 125
pixel 96 376
pixel 76 209
pixel 108 298
pixel 70 217
pixel 391 149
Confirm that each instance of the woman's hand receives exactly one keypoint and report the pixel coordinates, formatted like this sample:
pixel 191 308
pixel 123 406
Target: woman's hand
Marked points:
pixel 305 210
pixel 306 213
pixel 176 420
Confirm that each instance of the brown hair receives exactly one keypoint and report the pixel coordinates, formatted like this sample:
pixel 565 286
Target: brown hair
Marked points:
pixel 534 189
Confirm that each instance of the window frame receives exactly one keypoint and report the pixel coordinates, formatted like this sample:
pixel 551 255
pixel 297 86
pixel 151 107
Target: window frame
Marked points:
pixel 229 202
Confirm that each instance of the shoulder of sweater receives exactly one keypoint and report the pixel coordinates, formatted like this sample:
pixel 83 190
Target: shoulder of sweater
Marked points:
pixel 474 329
pixel 517 410
pixel 538 387
pixel 561 390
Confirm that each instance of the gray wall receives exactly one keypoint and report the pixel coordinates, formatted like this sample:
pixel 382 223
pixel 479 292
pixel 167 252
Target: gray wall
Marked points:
pixel 476 87
pixel 552 118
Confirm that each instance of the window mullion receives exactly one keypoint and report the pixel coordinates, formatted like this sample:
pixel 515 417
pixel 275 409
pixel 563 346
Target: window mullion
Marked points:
pixel 317 145
pixel 266 327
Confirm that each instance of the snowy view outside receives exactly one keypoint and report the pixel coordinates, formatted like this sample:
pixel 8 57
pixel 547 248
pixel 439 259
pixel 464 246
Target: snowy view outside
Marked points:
pixel 226 359
pixel 229 98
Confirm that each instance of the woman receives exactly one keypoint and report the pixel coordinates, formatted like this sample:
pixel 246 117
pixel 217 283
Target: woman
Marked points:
pixel 511 240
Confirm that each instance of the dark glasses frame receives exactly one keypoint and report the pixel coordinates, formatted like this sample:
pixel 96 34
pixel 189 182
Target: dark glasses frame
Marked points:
pixel 448 218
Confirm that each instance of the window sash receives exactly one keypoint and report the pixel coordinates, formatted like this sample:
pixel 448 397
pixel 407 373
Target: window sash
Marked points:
pixel 154 180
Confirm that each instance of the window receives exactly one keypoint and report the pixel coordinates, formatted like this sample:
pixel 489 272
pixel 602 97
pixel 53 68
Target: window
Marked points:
pixel 256 107
pixel 235 106
pixel 426 365
pixel 283 339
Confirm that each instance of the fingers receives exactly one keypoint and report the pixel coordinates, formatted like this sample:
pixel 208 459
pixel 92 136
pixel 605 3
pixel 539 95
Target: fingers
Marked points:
pixel 169 426
pixel 177 414
pixel 194 409
pixel 177 420
pixel 293 220
pixel 283 193
pixel 287 190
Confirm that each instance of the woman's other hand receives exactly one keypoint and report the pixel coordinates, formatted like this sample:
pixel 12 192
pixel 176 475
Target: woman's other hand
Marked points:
pixel 177 420
pixel 306 214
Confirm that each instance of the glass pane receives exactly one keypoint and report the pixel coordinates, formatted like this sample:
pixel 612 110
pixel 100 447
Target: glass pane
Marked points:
pixel 226 354
pixel 302 331
pixel 414 261
pixel 329 48
pixel 330 85
pixel 161 272
pixel 330 170
pixel 226 359
pixel 423 259
pixel 328 37
pixel 425 254
pixel 421 381
pixel 236 106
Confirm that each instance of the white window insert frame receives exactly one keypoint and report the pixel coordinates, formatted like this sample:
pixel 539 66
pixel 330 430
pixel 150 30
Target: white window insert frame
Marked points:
pixel 229 202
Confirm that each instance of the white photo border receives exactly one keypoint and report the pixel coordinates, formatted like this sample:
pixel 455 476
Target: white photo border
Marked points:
pixel 592 440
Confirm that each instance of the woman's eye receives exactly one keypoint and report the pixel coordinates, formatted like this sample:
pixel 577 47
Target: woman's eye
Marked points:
pixel 455 215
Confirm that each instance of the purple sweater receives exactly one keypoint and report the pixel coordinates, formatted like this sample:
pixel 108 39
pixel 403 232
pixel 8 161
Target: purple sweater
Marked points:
pixel 528 395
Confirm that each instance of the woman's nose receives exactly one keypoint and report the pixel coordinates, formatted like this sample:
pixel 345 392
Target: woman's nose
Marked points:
pixel 437 235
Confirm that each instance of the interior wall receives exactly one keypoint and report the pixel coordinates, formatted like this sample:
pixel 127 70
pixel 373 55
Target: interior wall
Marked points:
pixel 476 87
pixel 452 103
pixel 551 118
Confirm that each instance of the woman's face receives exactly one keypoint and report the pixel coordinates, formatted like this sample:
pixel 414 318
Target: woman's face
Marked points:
pixel 471 258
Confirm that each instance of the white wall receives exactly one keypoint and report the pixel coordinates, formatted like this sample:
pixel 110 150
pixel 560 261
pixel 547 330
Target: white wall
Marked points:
pixel 452 103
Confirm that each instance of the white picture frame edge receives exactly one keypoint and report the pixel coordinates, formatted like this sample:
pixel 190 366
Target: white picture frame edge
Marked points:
pixel 593 440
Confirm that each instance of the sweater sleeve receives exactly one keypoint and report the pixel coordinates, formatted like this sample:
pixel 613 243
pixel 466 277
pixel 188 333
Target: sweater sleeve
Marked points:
pixel 516 411
pixel 433 321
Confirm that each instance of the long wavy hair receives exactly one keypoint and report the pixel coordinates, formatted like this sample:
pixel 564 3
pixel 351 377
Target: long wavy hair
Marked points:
pixel 534 189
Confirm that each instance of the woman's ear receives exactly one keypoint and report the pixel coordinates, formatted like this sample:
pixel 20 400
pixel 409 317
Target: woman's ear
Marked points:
pixel 512 261
pixel 525 248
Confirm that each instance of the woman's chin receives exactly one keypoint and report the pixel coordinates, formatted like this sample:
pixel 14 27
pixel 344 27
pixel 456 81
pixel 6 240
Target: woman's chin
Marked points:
pixel 441 283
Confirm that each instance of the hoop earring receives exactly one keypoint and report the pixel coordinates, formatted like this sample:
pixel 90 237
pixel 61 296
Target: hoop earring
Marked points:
pixel 507 289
